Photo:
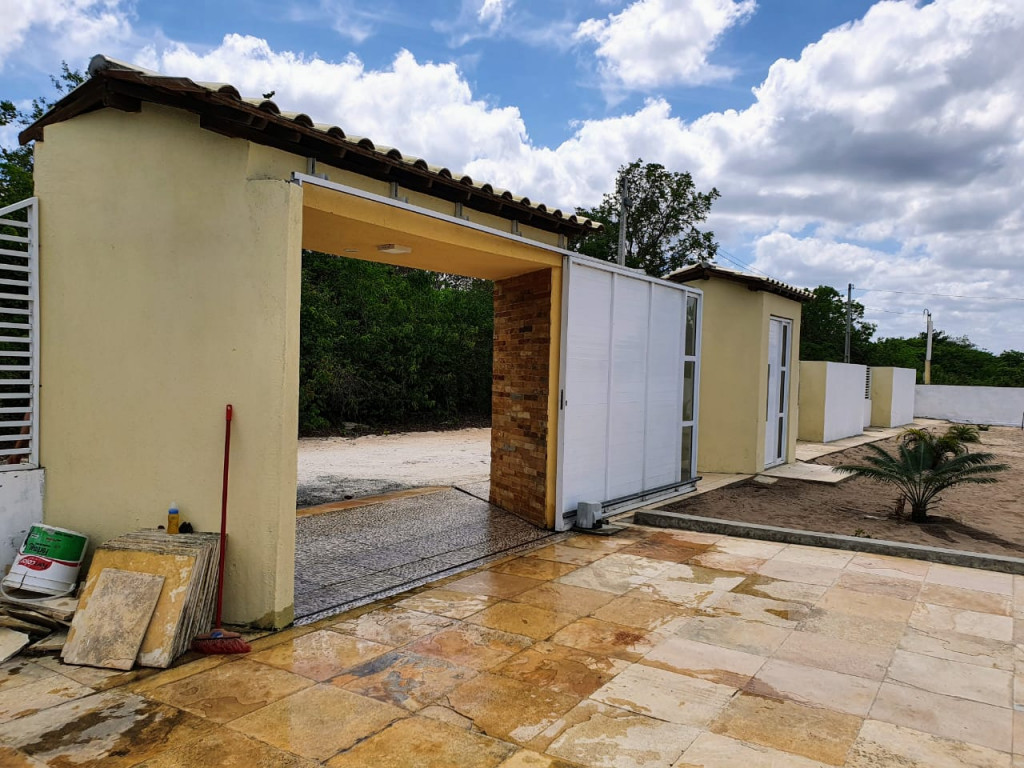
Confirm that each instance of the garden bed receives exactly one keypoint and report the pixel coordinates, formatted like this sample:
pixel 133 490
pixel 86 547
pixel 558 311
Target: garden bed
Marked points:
pixel 976 518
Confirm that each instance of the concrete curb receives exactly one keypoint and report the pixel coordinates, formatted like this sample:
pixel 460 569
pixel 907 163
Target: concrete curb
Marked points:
pixel 664 519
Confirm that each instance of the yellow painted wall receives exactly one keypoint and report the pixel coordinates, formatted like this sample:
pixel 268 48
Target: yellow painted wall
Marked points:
pixel 813 379
pixel 734 375
pixel 169 287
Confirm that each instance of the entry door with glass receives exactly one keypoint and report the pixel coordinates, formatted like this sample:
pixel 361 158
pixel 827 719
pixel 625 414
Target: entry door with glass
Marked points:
pixel 776 429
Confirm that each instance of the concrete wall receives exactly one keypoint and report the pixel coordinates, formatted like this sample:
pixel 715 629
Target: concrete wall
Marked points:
pixel 519 423
pixel 170 287
pixel 21 505
pixel 976 405
pixel 832 402
pixel 734 376
pixel 892 396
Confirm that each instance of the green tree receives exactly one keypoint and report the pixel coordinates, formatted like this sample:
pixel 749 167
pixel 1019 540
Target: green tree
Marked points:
pixel 924 465
pixel 661 224
pixel 16 162
pixel 823 328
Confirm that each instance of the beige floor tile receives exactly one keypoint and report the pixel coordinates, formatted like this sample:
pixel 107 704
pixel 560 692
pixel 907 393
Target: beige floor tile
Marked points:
pixel 446 714
pixel 944 716
pixel 418 742
pixel 775 589
pixel 603 638
pixel 928 618
pixel 748 547
pixel 113 729
pixel 971 578
pixel 858 629
pixel 952 678
pixel 13 758
pixel 230 690
pixel 469 645
pixel 96 678
pixel 599 736
pixel 801 572
pixel 404 679
pixel 616 577
pixel 880 745
pixel 723 561
pixel 602 543
pixel 708 662
pixel 664 547
pixel 748 636
pixel 321 655
pixel 640 610
pixel 393 626
pixel 1018 596
pixel 778 613
pixel 684 594
pixel 1018 733
pixel 225 748
pixel 892 567
pixel 565 598
pixel 21 671
pixel 714 578
pixel 966 599
pixel 818 734
pixel 665 695
pixel 509 709
pixel 835 655
pixel 874 584
pixel 863 604
pixel 180 672
pixel 694 537
pixel 713 751
pixel 293 633
pixel 447 602
pixel 534 568
pixel 562 669
pixel 815 556
pixel 522 619
pixel 814 687
pixel 563 553
pixel 503 585
pixel 319 721
pixel 969 649
pixel 41 693
pixel 527 758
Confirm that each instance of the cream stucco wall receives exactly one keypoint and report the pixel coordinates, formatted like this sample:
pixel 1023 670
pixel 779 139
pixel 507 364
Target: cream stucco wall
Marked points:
pixel 832 402
pixel 170 287
pixel 892 396
pixel 813 392
pixel 734 375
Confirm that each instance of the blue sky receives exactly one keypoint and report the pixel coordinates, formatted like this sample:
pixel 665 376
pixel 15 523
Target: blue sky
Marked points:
pixel 873 143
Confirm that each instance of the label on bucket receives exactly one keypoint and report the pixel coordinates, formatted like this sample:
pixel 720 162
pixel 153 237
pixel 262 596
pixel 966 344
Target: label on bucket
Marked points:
pixel 56 545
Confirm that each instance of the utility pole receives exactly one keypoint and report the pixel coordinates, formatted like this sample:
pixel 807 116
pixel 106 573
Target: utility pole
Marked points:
pixel 928 350
pixel 623 206
pixel 849 320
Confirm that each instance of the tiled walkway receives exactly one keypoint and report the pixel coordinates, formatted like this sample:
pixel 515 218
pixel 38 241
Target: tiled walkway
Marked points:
pixel 651 648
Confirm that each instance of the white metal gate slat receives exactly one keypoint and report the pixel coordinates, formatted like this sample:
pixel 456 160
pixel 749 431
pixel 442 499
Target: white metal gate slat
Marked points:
pixel 19 366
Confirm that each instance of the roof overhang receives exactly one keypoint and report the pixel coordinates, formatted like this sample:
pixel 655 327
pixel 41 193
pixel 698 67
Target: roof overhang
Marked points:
pixel 705 271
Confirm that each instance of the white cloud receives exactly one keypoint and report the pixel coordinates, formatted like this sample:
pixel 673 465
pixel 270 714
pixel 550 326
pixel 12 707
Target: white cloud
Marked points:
pixel 663 42
pixel 491 12
pixel 75 27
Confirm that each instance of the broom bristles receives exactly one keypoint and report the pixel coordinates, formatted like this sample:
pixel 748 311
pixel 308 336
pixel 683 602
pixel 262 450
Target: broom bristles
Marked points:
pixel 220 641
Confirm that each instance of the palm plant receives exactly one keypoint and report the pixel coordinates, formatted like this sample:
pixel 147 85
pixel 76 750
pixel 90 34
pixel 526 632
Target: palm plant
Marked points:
pixel 923 466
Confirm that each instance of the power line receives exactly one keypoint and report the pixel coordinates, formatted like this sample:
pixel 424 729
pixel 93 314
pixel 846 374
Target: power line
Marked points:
pixel 943 295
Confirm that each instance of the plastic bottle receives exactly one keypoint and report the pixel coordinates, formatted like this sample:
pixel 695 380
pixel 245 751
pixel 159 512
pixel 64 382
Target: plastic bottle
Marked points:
pixel 173 518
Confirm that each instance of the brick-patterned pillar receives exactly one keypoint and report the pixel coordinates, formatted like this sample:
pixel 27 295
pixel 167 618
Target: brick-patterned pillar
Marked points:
pixel 519 397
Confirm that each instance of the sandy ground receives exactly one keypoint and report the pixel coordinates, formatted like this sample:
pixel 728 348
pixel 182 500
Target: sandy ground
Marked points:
pixel 336 468
pixel 979 518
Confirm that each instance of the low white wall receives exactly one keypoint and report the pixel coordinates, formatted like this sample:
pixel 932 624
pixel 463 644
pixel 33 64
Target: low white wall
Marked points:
pixel 21 505
pixel 844 401
pixel 977 405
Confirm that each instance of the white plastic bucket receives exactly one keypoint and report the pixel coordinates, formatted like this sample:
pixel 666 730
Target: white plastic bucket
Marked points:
pixel 49 561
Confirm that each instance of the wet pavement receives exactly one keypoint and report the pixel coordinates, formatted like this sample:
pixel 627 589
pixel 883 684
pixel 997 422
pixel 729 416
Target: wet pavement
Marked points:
pixel 650 648
pixel 346 557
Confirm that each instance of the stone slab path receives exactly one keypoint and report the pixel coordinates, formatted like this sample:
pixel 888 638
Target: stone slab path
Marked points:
pixel 650 648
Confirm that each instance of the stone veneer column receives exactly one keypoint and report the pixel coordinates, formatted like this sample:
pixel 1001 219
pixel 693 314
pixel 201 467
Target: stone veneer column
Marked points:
pixel 519 396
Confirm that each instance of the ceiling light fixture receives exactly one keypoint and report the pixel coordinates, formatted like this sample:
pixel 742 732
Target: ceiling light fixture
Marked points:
pixel 393 248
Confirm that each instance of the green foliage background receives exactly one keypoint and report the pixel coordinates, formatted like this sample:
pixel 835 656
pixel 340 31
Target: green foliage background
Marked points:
pixel 392 347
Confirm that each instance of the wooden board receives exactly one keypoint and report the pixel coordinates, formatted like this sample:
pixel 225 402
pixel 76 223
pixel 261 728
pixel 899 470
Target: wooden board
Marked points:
pixel 107 631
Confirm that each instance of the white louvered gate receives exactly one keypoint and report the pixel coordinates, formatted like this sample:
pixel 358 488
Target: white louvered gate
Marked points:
pixel 19 335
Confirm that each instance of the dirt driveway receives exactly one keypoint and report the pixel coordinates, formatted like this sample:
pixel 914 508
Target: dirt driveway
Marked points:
pixel 336 468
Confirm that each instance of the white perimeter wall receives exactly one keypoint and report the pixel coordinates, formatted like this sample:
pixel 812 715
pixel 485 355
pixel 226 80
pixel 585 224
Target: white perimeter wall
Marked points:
pixel 21 506
pixel 978 405
pixel 904 381
pixel 844 400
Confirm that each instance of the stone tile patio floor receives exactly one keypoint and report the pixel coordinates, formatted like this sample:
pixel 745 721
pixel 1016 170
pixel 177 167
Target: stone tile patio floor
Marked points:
pixel 652 648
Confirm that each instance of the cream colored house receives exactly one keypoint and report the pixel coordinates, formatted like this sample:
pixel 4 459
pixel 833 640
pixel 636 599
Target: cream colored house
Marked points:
pixel 749 369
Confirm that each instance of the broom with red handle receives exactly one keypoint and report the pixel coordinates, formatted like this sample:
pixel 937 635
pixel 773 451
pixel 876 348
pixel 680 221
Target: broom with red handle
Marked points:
pixel 220 640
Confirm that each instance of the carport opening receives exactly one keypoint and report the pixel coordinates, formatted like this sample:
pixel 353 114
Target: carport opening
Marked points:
pixel 388 343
